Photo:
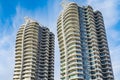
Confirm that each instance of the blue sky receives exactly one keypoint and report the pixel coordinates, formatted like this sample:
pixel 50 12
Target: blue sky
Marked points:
pixel 12 15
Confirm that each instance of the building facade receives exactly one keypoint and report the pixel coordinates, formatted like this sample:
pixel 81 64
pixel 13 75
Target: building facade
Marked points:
pixel 84 53
pixel 34 52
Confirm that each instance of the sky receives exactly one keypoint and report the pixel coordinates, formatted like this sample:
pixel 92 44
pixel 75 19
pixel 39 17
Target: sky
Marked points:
pixel 46 12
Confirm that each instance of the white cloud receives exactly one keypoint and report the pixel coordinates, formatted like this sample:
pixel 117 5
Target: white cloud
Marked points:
pixel 115 57
pixel 7 55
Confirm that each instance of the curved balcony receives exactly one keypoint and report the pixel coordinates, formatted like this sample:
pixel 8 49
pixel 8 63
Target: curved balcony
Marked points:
pixel 93 39
pixel 28 57
pixel 100 27
pixel 59 24
pixel 70 14
pixel 61 42
pixel 18 49
pixel 17 74
pixel 76 39
pixel 104 40
pixel 74 49
pixel 71 22
pixel 59 31
pixel 110 76
pixel 60 37
pixel 106 52
pixel 94 44
pixel 70 10
pixel 18 46
pixel 73 42
pixel 74 46
pixel 28 39
pixel 18 55
pixel 76 78
pixel 75 68
pixel 31 29
pixel 71 29
pixel 61 46
pixel 19 39
pixel 17 66
pixel 75 63
pixel 27 60
pixel 59 34
pixel 72 53
pixel 71 34
pixel 71 19
pixel 104 47
pixel 100 24
pixel 19 34
pixel 29 42
pixel 31 36
pixel 74 58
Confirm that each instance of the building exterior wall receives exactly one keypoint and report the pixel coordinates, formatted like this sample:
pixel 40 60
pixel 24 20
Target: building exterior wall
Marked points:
pixel 84 53
pixel 34 55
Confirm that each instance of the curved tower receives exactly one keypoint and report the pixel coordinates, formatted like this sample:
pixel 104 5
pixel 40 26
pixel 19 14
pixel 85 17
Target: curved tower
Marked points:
pixel 84 53
pixel 34 54
pixel 69 43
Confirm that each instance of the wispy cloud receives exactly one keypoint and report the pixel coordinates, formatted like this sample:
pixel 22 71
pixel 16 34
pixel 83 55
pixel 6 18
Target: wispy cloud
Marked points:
pixel 7 54
pixel 7 42
pixel 115 53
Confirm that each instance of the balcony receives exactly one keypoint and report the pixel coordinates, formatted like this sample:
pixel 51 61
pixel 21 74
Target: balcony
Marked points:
pixel 28 67
pixel 17 73
pixel 76 77
pixel 70 22
pixel 73 37
pixel 75 68
pixel 18 42
pixel 70 12
pixel 26 76
pixel 103 40
pixel 75 72
pixel 17 66
pixel 59 32
pixel 28 39
pixel 73 42
pixel 109 76
pixel 71 29
pixel 19 48
pixel 16 77
pixel 105 51
pixel 18 56
pixel 74 58
pixel 17 70
pixel 75 63
pixel 94 44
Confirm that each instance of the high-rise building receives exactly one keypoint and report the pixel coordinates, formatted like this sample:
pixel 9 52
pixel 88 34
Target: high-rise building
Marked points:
pixel 34 53
pixel 84 53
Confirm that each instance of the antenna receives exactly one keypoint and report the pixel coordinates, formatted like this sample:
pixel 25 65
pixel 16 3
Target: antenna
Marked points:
pixel 64 3
pixel 28 20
